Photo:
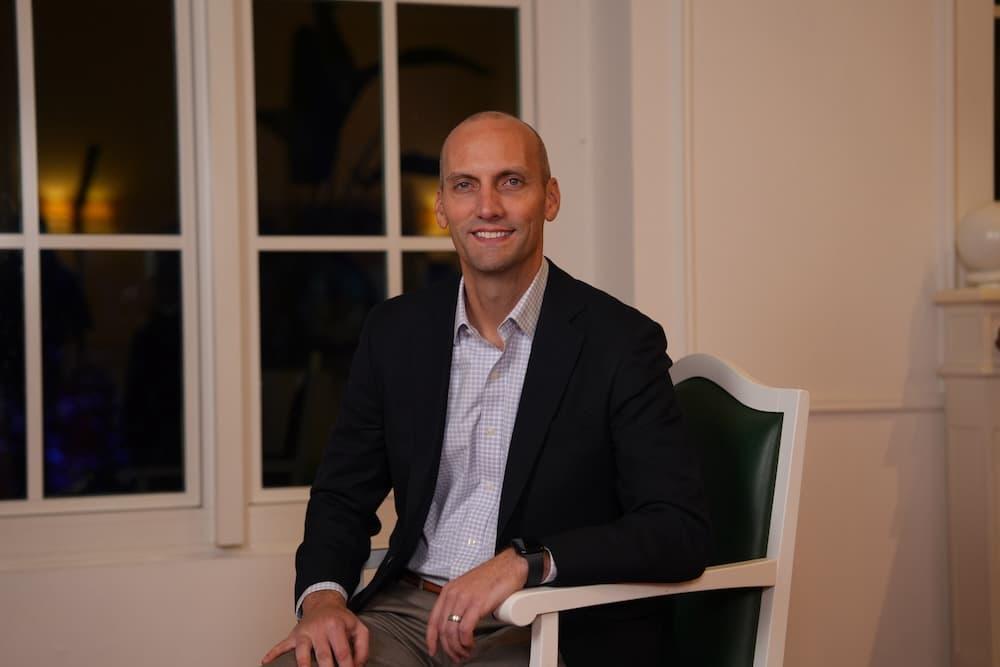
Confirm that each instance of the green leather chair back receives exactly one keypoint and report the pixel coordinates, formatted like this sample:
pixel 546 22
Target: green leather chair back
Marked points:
pixel 739 453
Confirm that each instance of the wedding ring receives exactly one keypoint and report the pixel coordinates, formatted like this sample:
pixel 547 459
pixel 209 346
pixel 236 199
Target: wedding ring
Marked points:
pixel 455 618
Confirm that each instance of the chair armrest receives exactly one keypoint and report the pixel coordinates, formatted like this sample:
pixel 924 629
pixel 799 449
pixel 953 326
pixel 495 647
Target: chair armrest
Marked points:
pixel 522 607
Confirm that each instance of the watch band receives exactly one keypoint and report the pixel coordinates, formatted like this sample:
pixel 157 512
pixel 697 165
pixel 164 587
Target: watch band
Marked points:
pixel 533 552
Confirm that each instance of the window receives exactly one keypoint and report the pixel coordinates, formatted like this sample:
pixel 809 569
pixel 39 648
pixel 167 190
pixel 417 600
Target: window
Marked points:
pixel 100 406
pixel 114 306
pixel 345 209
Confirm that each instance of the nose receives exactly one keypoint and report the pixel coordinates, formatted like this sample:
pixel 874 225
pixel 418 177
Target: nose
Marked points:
pixel 490 205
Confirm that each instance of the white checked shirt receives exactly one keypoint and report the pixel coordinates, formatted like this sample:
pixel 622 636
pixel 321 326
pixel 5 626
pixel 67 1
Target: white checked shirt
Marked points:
pixel 483 394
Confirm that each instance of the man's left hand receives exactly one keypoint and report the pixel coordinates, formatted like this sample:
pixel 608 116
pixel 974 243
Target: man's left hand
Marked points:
pixel 472 596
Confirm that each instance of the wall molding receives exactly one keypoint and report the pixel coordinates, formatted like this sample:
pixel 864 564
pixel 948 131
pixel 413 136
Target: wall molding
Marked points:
pixel 837 406
pixel 661 156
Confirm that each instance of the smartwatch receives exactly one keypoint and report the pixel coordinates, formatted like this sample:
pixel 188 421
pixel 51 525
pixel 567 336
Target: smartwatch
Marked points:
pixel 533 552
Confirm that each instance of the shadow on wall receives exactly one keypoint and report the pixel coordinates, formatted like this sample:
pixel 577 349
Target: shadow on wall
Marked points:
pixel 870 582
pixel 910 618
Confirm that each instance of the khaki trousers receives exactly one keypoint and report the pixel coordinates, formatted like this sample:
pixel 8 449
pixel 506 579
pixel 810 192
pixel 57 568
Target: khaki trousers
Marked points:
pixel 396 619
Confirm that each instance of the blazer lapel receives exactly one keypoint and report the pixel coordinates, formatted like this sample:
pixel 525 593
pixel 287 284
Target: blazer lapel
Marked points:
pixel 554 352
pixel 431 367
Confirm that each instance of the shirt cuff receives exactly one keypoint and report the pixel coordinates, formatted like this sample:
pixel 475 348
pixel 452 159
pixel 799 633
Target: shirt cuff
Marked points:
pixel 552 569
pixel 321 586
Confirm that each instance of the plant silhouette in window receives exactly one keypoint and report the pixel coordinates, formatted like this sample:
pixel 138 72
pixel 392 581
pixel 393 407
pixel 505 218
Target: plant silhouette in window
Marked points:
pixel 325 85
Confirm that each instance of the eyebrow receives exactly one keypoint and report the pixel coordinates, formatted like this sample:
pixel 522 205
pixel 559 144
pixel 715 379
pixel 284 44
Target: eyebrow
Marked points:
pixel 457 176
pixel 509 171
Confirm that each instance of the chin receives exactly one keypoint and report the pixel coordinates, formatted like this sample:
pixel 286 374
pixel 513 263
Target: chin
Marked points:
pixel 489 268
pixel 490 264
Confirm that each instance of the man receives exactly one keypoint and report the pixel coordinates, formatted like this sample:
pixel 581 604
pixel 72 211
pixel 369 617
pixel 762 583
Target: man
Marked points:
pixel 527 425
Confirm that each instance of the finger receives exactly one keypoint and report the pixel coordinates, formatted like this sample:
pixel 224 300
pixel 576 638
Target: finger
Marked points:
pixel 466 629
pixel 303 650
pixel 442 626
pixel 431 639
pixel 360 637
pixel 341 647
pixel 446 645
pixel 285 645
pixel 449 639
pixel 455 650
pixel 458 652
pixel 324 658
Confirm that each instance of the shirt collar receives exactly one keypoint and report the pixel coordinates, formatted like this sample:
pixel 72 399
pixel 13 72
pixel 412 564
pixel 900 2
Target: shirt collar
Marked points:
pixel 525 312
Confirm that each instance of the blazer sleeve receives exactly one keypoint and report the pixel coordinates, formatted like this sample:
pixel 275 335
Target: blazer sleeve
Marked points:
pixel 351 483
pixel 663 531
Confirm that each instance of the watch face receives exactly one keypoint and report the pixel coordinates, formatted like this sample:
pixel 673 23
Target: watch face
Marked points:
pixel 526 546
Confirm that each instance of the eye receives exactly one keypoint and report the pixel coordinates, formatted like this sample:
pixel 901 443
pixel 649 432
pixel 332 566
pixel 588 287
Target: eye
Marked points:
pixel 515 182
pixel 462 186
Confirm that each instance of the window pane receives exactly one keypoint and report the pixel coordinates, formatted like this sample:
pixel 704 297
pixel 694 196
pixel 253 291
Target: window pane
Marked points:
pixel 112 372
pixel 453 62
pixel 312 307
pixel 421 269
pixel 10 154
pixel 12 461
pixel 107 120
pixel 318 82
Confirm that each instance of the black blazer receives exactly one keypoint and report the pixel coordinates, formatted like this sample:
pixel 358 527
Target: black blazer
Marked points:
pixel 599 467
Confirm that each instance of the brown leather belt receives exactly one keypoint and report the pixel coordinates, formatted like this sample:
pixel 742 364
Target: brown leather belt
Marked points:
pixel 417 582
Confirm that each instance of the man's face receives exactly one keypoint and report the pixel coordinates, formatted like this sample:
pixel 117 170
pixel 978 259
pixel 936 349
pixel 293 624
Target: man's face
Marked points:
pixel 494 198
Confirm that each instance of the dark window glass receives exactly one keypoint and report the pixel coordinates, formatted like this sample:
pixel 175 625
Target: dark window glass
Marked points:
pixel 312 307
pixel 453 62
pixel 112 372
pixel 107 121
pixel 318 83
pixel 421 269
pixel 12 461
pixel 10 154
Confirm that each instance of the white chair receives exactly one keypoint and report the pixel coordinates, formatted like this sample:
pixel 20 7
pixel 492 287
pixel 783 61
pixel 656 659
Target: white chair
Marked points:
pixel 742 428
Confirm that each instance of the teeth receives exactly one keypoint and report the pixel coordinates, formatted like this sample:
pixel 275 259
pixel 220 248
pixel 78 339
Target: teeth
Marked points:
pixel 491 235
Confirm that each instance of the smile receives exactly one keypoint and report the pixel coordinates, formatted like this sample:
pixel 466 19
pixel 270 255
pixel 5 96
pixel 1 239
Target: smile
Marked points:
pixel 492 235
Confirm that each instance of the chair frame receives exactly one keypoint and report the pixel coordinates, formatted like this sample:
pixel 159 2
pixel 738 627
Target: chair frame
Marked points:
pixel 540 606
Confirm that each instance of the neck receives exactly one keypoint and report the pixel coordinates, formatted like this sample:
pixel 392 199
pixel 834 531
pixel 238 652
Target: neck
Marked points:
pixel 490 298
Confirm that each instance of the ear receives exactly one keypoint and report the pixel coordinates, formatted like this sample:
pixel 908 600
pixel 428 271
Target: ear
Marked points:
pixel 552 199
pixel 439 211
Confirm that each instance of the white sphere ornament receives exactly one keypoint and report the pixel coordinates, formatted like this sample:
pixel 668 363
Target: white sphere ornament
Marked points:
pixel 978 244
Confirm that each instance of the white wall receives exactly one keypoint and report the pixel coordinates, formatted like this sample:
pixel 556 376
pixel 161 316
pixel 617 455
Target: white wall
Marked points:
pixel 583 114
pixel 221 611
pixel 819 195
pixel 870 582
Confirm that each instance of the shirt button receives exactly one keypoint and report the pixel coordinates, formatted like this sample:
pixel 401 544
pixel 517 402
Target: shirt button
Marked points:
pixel 490 486
pixel 472 541
pixel 491 431
pixel 495 375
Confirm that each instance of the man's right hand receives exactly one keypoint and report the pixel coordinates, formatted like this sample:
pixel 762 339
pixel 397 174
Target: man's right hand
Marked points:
pixel 329 629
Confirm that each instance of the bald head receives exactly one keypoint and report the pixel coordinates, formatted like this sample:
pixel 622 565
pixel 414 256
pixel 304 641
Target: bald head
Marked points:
pixel 534 140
